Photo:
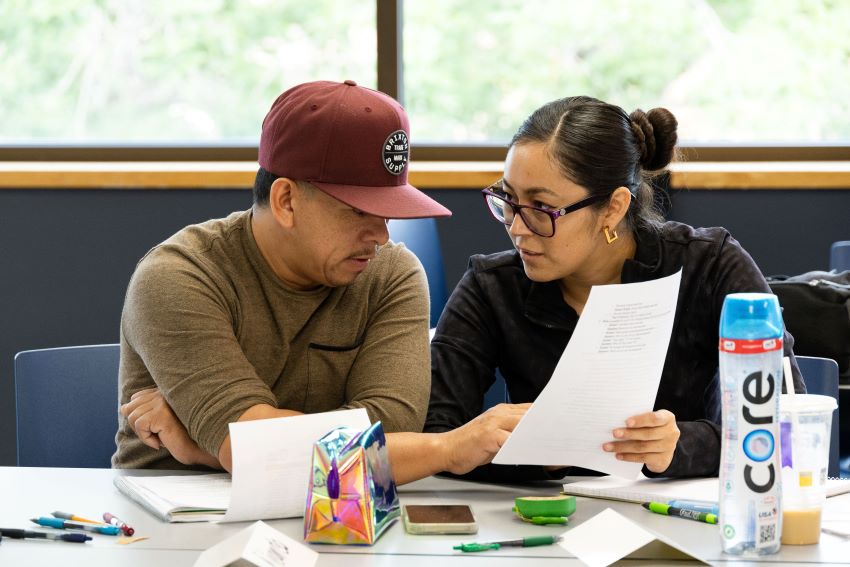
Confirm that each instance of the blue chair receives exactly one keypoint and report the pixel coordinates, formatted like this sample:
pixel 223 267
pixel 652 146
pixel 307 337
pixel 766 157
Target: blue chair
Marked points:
pixel 839 256
pixel 821 377
pixel 67 406
pixel 421 237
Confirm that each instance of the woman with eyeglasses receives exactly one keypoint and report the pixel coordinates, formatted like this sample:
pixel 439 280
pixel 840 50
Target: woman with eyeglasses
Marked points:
pixel 579 209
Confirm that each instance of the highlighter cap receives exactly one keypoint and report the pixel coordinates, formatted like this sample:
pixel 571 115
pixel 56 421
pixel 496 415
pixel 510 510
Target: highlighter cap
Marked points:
pixel 751 316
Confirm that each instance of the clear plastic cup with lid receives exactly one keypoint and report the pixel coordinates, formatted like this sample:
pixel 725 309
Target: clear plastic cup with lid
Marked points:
pixel 805 422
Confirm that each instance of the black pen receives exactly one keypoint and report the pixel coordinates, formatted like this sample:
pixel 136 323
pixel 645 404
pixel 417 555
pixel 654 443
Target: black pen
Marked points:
pixel 22 534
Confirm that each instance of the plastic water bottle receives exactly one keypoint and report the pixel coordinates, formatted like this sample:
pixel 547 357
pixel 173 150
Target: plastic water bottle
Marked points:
pixel 750 382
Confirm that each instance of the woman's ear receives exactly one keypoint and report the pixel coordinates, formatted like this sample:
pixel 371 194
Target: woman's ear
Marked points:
pixel 618 206
pixel 280 201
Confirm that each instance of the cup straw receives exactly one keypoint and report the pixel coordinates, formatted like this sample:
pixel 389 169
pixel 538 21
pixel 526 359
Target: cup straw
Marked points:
pixel 789 378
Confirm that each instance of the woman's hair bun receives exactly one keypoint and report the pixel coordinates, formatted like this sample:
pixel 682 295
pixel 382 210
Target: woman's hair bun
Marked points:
pixel 656 136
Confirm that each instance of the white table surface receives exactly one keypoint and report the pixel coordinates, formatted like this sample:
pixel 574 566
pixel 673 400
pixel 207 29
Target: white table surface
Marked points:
pixel 31 492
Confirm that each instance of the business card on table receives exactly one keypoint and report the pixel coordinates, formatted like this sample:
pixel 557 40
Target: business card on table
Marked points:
pixel 608 537
pixel 260 545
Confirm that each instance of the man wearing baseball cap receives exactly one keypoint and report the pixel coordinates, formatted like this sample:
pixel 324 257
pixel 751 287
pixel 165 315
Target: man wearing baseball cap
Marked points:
pixel 297 305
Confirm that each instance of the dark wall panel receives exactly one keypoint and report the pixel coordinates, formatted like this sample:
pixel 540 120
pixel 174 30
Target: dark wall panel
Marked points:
pixel 66 256
pixel 786 232
pixel 65 259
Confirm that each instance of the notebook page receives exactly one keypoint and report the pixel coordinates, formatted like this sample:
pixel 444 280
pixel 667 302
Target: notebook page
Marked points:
pixel 646 489
pixel 666 489
pixel 207 492
pixel 167 495
pixel 836 486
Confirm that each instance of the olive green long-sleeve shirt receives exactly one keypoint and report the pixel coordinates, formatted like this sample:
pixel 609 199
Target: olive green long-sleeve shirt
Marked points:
pixel 207 321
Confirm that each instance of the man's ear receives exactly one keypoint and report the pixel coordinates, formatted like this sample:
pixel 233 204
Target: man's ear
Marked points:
pixel 280 201
pixel 618 206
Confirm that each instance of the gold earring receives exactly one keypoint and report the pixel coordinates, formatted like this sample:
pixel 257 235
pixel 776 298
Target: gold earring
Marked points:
pixel 608 236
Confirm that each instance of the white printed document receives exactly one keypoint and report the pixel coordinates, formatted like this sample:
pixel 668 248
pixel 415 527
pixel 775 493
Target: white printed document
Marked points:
pixel 271 462
pixel 610 371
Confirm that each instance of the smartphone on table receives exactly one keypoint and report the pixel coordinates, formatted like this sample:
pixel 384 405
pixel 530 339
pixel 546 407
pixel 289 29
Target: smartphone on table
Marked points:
pixel 439 519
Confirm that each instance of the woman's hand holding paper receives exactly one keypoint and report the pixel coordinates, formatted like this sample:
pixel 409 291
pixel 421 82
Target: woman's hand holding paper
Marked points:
pixel 649 438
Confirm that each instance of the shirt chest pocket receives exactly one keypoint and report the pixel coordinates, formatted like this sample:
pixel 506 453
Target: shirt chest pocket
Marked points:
pixel 328 367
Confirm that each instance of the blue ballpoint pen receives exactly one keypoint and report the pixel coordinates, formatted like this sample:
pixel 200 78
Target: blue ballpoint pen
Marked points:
pixel 66 525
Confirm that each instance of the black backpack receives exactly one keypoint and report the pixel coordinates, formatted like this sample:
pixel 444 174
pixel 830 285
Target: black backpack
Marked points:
pixel 816 311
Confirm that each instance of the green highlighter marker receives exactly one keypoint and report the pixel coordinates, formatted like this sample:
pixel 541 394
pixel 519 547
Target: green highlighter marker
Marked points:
pixel 524 542
pixel 668 510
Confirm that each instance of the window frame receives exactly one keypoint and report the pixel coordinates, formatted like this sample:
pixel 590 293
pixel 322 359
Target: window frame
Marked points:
pixel 389 24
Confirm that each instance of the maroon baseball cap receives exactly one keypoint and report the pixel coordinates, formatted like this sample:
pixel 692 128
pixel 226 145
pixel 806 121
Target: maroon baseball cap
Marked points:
pixel 349 141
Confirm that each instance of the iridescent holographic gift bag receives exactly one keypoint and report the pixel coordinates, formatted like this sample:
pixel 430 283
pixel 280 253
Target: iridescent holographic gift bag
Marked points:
pixel 352 496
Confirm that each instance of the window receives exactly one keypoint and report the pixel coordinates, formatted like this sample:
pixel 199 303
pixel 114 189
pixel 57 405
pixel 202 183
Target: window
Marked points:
pixel 732 71
pixel 164 71
pixel 171 76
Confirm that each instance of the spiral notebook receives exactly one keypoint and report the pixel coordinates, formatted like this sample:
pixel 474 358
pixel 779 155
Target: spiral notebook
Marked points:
pixel 189 498
pixel 666 489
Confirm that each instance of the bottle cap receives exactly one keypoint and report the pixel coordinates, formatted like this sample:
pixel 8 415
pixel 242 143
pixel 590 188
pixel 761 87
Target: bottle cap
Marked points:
pixel 750 316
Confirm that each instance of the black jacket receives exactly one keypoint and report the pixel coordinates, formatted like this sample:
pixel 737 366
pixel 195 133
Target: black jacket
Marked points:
pixel 497 318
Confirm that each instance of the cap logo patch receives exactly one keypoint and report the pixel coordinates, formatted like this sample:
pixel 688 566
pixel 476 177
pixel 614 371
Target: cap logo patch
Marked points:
pixel 394 153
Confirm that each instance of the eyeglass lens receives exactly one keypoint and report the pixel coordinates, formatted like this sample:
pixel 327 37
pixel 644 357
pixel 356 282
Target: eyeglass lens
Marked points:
pixel 536 221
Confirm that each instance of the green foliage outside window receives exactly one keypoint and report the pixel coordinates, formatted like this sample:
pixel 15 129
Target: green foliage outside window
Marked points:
pixel 191 71
pixel 206 71
pixel 733 71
